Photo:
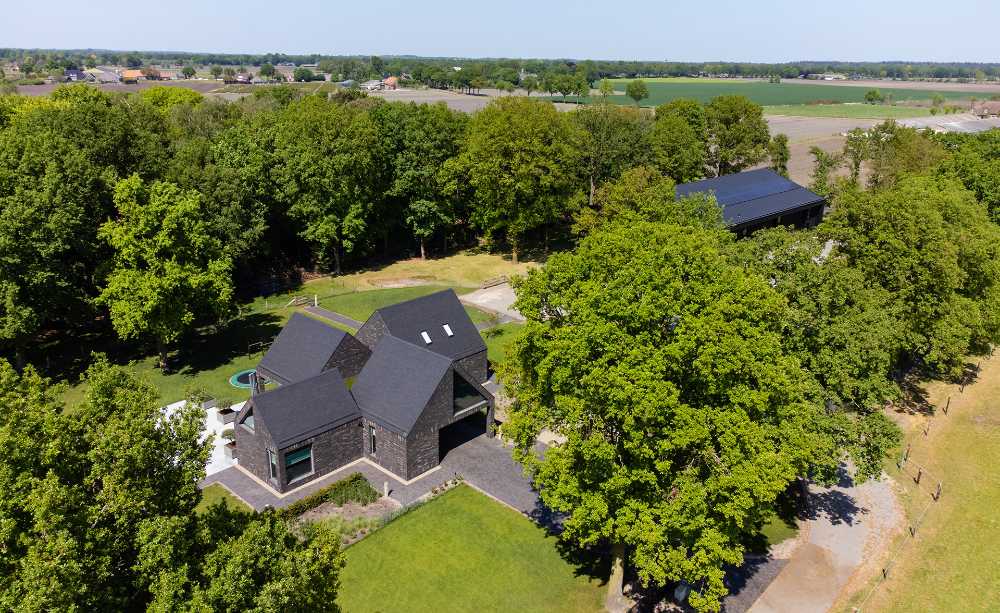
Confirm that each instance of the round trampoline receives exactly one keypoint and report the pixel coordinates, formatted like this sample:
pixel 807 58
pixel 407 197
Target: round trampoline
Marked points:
pixel 241 379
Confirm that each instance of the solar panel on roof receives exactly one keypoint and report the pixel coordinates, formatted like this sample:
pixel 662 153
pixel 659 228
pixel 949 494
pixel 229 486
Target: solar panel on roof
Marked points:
pixel 752 195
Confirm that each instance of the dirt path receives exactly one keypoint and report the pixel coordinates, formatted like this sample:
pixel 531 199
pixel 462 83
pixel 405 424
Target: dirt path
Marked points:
pixel 848 524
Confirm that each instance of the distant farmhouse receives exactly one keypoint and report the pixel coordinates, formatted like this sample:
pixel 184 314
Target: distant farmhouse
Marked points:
pixel 132 76
pixel 759 199
pixel 986 108
pixel 383 396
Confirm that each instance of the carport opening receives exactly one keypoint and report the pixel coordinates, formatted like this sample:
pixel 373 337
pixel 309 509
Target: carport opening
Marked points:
pixel 461 432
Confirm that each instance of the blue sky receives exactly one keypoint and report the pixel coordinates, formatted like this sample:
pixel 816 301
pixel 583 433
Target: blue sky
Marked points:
pixel 763 30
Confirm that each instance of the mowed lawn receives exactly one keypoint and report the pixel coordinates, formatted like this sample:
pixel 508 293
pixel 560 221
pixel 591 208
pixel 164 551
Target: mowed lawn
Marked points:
pixel 360 305
pixel 954 563
pixel 498 340
pixel 214 494
pixel 464 552
pixel 767 94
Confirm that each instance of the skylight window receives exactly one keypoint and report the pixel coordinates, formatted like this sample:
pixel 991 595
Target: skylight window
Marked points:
pixel 425 336
pixel 447 330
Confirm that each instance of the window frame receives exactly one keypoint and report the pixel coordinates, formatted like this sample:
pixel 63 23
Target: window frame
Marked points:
pixel 272 464
pixel 372 444
pixel 312 463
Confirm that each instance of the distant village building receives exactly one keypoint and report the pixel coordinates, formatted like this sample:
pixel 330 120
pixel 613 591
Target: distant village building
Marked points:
pixel 986 108
pixel 372 85
pixel 826 76
pixel 132 76
pixel 74 75
pixel 390 83
pixel 102 74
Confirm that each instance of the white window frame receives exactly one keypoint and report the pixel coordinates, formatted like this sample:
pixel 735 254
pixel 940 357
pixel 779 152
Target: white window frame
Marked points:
pixel 447 330
pixel 272 464
pixel 425 336
pixel 372 447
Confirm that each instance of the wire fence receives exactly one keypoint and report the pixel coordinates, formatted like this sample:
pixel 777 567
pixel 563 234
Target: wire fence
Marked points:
pixel 927 483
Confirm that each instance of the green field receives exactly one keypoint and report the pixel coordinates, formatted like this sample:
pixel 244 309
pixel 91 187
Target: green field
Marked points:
pixel 767 94
pixel 850 110
pixel 951 565
pixel 499 340
pixel 465 552
pixel 360 305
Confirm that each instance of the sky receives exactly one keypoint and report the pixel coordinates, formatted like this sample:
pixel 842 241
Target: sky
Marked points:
pixel 721 30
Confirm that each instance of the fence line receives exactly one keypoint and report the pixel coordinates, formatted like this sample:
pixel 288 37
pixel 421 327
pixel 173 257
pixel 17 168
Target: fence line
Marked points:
pixel 922 486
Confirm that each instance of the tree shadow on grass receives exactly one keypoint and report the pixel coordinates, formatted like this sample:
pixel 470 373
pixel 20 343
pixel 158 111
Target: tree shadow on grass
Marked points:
pixel 212 347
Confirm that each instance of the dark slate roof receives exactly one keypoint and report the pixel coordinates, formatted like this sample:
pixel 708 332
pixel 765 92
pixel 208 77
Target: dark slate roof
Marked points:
pixel 293 413
pixel 302 349
pixel 752 195
pixel 397 382
pixel 430 313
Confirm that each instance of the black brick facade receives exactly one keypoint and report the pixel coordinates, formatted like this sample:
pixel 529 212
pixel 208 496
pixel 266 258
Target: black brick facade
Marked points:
pixel 349 358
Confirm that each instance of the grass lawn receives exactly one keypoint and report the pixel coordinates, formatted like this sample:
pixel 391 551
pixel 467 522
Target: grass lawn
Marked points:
pixel 360 305
pixel 215 493
pixel 764 93
pixel 851 111
pixel 952 564
pixel 498 341
pixel 464 552
pixel 207 358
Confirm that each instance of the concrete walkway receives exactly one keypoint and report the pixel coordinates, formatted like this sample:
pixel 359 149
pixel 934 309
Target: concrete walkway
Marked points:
pixel 319 311
pixel 498 299
pixel 846 521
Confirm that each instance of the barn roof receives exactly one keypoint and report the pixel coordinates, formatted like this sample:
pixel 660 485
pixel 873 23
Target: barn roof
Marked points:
pixel 752 195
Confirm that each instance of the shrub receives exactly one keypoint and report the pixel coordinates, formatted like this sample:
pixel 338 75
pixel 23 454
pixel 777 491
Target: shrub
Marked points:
pixel 354 488
pixel 229 434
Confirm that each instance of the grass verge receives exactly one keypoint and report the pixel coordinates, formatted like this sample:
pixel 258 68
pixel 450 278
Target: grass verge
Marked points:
pixel 215 493
pixel 464 552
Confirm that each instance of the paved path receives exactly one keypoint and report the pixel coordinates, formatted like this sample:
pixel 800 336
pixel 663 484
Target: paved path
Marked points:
pixel 497 299
pixel 846 522
pixel 483 462
pixel 337 317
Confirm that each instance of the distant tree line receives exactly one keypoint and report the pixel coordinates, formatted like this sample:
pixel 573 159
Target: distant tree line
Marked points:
pixel 435 71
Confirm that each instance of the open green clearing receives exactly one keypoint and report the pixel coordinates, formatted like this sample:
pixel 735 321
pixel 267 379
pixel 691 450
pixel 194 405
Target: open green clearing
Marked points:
pixel 216 493
pixel 360 305
pixel 206 358
pixel 464 552
pixel 768 94
pixel 952 564
pixel 850 111
pixel 499 339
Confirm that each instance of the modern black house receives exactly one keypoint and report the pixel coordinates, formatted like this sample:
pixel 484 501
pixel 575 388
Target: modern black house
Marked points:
pixel 758 199
pixel 385 397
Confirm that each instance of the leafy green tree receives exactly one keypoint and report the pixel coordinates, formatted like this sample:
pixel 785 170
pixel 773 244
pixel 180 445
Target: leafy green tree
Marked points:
pixel 874 96
pixel 520 160
pixel 777 151
pixel 677 150
pixel 929 244
pixel 857 148
pixel 606 89
pixel 228 73
pixel 737 134
pixel 164 98
pixel 504 86
pixel 303 74
pixel 266 70
pixel 637 91
pixel 329 156
pixel 530 84
pixel 167 269
pixel 643 194
pixel 691 111
pixel 188 72
pixel 661 365
pixel 896 151
pixel 613 139
pixel 216 71
pixel 824 165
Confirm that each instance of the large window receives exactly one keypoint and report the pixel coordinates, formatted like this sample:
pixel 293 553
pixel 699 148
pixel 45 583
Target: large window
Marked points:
pixel 466 396
pixel 371 439
pixel 272 463
pixel 298 464
pixel 248 421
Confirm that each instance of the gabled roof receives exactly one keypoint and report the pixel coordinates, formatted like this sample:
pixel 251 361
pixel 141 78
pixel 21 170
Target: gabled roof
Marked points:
pixel 302 349
pixel 397 382
pixel 752 195
pixel 408 320
pixel 293 413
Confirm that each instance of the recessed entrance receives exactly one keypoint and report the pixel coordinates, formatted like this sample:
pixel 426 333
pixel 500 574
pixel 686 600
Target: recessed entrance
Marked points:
pixel 462 431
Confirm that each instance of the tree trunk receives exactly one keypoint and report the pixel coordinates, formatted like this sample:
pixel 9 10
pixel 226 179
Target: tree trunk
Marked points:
pixel 423 250
pixel 616 601
pixel 336 260
pixel 513 251
pixel 19 358
pixel 161 352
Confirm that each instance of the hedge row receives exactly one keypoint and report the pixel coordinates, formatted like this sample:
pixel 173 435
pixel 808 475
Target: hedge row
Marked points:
pixel 354 488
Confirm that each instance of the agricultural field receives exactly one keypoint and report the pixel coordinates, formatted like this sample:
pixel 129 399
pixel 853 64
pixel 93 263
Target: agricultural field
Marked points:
pixel 848 111
pixel 769 94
